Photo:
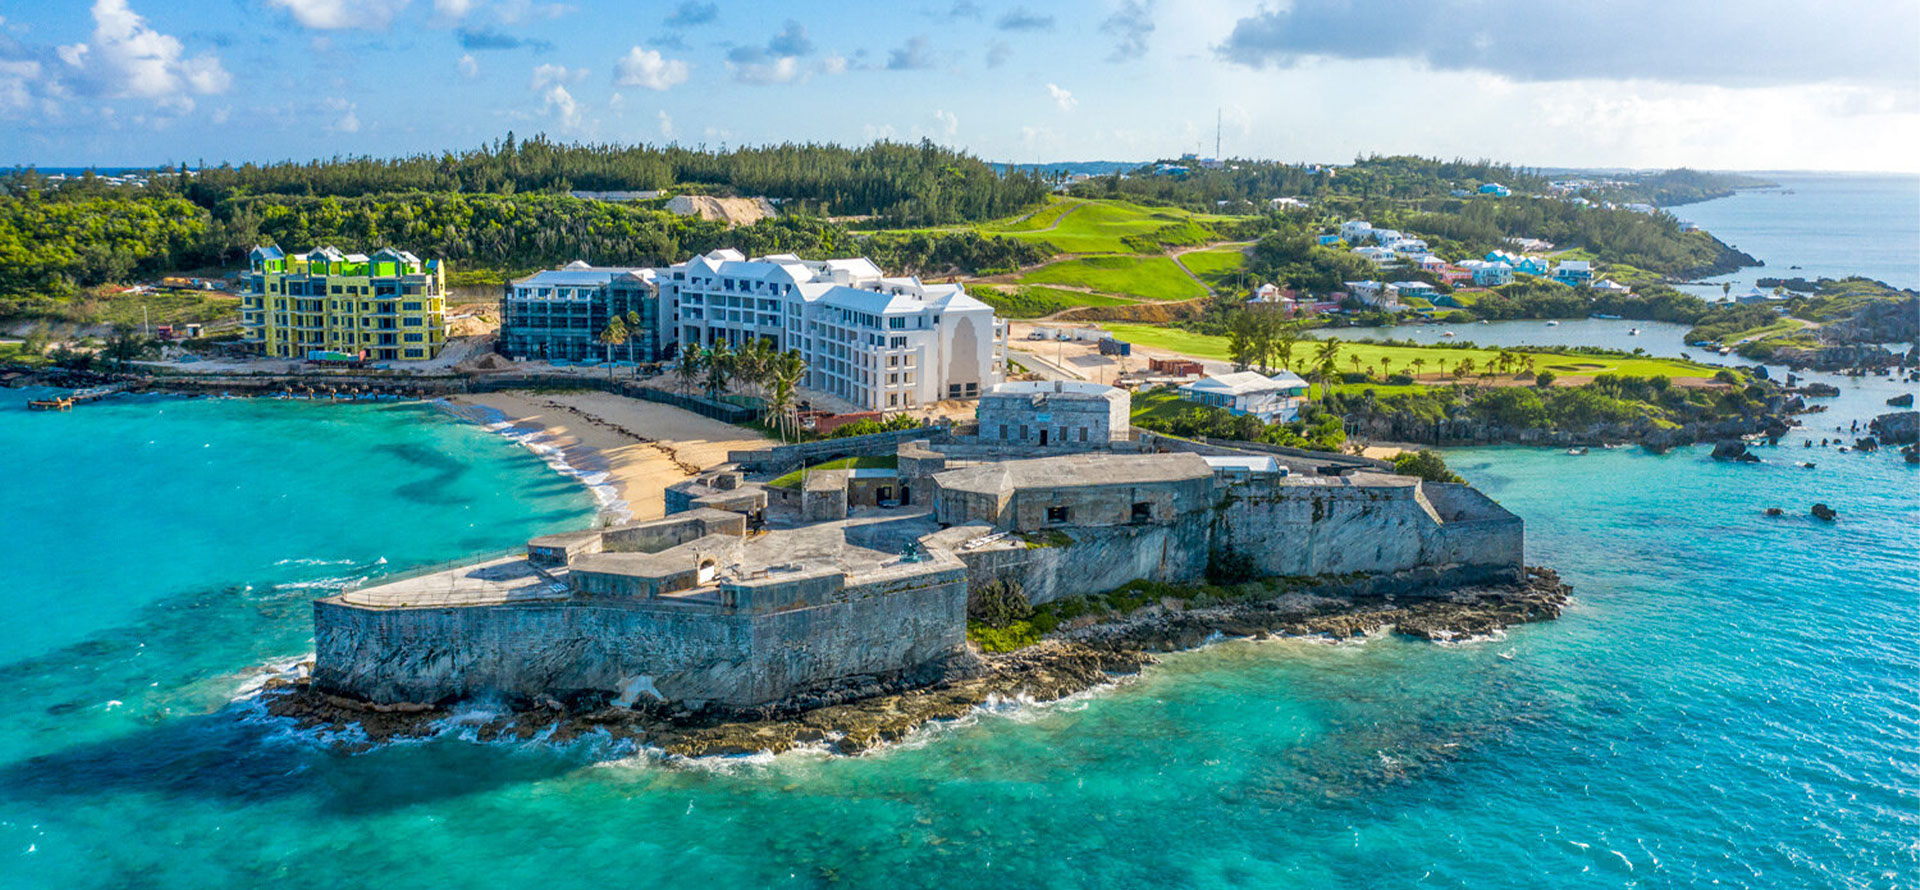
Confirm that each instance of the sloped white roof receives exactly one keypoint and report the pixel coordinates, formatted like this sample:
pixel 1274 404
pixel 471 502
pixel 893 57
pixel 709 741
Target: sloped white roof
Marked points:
pixel 1238 383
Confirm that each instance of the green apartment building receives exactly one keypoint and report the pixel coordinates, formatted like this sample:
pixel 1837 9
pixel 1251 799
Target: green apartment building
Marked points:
pixel 390 306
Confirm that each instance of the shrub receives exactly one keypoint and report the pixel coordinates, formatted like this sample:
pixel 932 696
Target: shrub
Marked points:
pixel 1427 465
pixel 1544 378
pixel 998 604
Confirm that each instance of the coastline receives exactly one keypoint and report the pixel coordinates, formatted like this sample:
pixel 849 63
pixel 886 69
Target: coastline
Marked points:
pixel 595 437
pixel 871 712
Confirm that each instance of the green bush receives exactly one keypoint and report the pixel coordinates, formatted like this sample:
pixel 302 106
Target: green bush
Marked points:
pixel 1427 465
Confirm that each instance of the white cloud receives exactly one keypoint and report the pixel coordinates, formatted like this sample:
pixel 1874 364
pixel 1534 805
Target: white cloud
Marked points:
pixel 555 101
pixel 348 121
pixel 949 122
pixel 647 68
pixel 877 132
pixel 666 124
pixel 453 10
pixel 469 66
pixel 336 15
pixel 834 64
pixel 128 59
pixel 16 84
pixel 765 69
pixel 550 74
pixel 1062 98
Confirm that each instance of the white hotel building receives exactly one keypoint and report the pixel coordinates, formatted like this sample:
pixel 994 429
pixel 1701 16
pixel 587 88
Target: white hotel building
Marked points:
pixel 883 344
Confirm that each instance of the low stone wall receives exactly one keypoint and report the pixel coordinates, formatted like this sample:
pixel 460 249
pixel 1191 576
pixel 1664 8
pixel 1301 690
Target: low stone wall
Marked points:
pixel 912 625
pixel 783 458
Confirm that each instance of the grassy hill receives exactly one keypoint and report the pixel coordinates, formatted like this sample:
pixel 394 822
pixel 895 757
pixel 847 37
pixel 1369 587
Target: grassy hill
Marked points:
pixel 1149 278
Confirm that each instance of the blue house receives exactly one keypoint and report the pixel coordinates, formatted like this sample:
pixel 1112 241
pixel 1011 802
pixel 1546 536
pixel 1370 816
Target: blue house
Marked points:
pixel 1574 273
pixel 1496 189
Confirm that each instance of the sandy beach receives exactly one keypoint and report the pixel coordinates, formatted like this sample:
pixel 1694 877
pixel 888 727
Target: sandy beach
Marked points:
pixel 642 446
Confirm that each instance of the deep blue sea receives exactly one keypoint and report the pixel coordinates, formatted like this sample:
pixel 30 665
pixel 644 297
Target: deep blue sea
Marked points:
pixel 1732 700
pixel 1828 224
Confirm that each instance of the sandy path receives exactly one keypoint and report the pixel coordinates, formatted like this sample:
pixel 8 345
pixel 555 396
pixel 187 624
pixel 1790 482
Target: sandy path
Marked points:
pixel 643 446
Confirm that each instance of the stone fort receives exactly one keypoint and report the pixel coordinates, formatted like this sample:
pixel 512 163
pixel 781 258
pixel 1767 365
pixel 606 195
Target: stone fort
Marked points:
pixel 757 588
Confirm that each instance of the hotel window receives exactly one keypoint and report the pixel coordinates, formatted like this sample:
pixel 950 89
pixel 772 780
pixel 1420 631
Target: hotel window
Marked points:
pixel 1056 515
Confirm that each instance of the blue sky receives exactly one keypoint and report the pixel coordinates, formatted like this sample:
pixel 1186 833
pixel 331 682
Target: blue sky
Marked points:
pixel 1725 84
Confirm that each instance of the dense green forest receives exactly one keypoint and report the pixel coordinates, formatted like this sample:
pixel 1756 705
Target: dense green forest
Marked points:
pixel 1244 182
pixel 505 206
pixel 1672 188
pixel 906 184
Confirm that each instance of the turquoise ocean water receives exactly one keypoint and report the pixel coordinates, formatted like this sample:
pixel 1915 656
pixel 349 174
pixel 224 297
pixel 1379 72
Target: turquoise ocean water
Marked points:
pixel 1731 700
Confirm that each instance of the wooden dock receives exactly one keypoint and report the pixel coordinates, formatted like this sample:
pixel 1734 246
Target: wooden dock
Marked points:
pixel 78 396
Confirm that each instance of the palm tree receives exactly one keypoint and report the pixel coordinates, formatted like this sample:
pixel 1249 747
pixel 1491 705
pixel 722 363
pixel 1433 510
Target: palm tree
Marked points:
pixel 718 361
pixel 784 374
pixel 1418 363
pixel 1327 364
pixel 614 334
pixel 1386 366
pixel 1356 361
pixel 689 368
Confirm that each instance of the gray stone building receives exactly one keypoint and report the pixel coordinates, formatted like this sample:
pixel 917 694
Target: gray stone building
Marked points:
pixel 1055 414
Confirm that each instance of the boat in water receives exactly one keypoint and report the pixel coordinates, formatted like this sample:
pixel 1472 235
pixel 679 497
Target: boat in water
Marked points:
pixel 1553 324
pixel 1634 333
pixel 1605 316
pixel 1576 452
pixel 1447 334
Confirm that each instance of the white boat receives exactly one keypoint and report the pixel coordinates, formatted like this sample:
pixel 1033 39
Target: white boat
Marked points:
pixel 1447 334
pixel 1553 324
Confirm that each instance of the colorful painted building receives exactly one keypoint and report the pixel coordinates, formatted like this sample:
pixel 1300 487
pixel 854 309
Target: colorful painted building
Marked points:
pixel 390 306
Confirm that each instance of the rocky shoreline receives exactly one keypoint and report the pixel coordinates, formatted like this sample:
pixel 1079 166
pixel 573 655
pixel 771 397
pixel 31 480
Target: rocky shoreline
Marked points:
pixel 862 715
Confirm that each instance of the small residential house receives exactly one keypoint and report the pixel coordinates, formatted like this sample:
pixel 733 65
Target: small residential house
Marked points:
pixel 1287 204
pixel 1354 231
pixel 1574 273
pixel 1374 294
pixel 1246 392
pixel 1375 254
pixel 1496 189
pixel 1421 289
pixel 1489 273
pixel 1409 247
pixel 1610 286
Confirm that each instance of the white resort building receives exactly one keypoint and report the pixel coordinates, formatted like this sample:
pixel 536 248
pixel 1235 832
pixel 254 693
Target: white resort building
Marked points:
pixel 879 342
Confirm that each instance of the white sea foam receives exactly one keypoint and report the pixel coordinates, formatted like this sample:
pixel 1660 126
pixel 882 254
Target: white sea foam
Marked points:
pixel 546 446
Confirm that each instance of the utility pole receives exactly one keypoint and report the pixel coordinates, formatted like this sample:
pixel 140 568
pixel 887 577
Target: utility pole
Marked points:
pixel 1218 116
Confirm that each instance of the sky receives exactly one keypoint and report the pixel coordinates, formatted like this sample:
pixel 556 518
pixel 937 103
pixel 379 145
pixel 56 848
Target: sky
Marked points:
pixel 1711 84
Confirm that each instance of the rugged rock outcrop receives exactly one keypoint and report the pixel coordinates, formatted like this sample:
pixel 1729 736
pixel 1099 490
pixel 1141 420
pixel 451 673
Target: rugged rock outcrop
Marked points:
pixel 1897 428
pixel 1734 450
pixel 1839 357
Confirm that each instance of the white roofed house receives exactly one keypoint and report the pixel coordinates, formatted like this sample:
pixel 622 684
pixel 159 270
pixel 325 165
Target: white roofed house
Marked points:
pixel 1354 230
pixel 1271 399
pixel 883 343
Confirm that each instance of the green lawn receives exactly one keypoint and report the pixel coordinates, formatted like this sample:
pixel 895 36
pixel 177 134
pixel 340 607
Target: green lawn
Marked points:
pixel 1216 267
pixel 1035 301
pixel 1161 404
pixel 792 480
pixel 1151 278
pixel 1101 226
pixel 1400 357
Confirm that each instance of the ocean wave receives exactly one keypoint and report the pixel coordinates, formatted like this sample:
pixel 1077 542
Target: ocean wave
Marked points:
pixel 545 446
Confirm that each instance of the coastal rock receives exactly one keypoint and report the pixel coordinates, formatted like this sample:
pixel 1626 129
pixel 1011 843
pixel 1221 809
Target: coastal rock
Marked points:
pixel 1822 511
pixel 1904 400
pixel 1817 390
pixel 1897 428
pixel 1838 357
pixel 1732 449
